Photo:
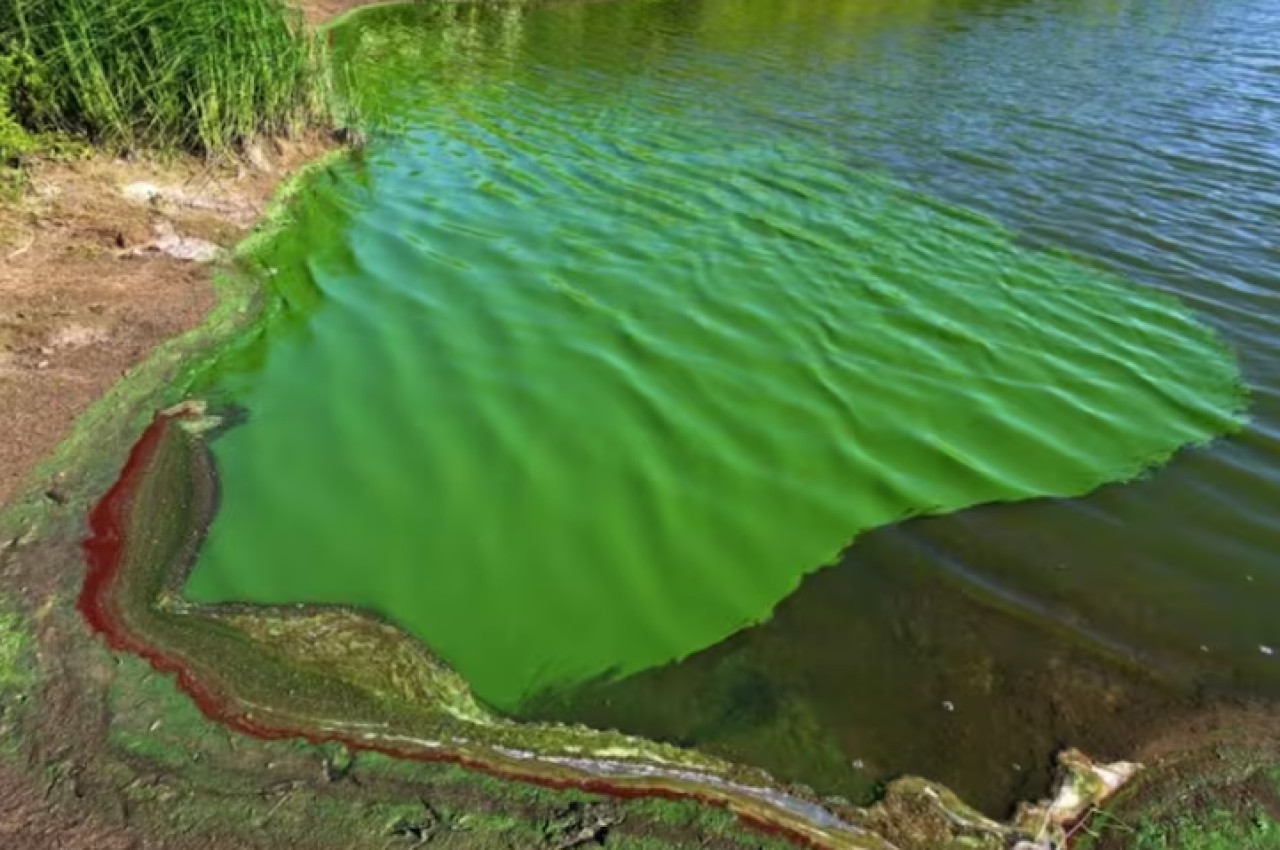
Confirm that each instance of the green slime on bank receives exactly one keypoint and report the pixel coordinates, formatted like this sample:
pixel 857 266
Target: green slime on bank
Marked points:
pixel 598 348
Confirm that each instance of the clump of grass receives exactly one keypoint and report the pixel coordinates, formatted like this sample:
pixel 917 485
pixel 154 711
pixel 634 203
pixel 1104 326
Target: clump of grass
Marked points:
pixel 15 141
pixel 1215 830
pixel 196 75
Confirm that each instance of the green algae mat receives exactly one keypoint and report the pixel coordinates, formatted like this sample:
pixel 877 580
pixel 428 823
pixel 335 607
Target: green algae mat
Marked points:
pixel 602 344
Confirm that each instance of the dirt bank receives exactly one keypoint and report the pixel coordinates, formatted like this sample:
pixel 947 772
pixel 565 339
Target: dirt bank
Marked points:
pixel 86 292
pixel 83 297
pixel 319 11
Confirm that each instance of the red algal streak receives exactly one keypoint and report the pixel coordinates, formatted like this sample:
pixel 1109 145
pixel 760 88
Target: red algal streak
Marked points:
pixel 105 550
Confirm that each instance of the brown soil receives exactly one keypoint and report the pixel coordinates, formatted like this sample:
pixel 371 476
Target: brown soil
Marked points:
pixel 26 820
pixel 84 296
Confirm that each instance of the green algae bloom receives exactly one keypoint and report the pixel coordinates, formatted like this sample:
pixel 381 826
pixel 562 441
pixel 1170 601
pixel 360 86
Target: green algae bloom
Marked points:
pixel 585 362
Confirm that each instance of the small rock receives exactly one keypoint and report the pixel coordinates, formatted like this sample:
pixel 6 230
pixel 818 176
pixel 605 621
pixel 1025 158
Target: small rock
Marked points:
pixel 168 241
pixel 142 193
pixel 350 136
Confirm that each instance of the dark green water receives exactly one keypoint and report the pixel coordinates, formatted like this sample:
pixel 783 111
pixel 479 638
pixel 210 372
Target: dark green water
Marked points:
pixel 633 315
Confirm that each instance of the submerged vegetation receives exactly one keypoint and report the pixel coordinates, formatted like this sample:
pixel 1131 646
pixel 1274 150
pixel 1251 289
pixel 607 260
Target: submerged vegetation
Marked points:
pixel 199 77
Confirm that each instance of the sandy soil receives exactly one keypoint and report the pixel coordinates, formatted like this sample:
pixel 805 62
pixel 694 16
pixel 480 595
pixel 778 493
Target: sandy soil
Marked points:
pixel 85 292
pixel 82 298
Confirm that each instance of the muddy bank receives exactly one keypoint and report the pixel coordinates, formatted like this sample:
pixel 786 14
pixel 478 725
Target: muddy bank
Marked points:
pixel 302 671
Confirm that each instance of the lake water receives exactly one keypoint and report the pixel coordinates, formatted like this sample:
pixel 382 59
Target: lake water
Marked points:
pixel 847 387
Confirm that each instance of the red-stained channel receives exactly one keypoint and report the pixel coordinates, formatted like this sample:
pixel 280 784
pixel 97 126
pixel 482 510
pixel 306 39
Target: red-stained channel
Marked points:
pixel 105 550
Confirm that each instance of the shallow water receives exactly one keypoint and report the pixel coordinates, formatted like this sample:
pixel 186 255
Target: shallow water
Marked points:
pixel 632 315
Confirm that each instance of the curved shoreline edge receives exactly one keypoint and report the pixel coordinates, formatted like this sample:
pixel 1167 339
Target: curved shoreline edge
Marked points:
pixel 122 617
pixel 305 672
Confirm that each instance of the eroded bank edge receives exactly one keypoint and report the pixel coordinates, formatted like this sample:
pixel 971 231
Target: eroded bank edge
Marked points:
pixel 303 671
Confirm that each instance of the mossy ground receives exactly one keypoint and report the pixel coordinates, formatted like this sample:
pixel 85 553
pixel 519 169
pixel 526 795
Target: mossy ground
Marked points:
pixel 1219 790
pixel 17 676
pixel 195 777
pixel 1219 830
pixel 15 646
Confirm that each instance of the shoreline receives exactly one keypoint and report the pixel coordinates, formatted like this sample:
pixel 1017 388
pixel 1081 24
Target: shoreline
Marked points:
pixel 117 601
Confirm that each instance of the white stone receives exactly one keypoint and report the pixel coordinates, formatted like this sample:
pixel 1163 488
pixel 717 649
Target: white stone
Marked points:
pixel 142 193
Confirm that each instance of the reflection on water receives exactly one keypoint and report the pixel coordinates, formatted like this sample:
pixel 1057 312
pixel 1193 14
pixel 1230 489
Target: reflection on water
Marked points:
pixel 689 198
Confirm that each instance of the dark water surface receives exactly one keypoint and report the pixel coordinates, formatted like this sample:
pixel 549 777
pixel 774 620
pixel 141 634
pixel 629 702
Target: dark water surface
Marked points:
pixel 634 315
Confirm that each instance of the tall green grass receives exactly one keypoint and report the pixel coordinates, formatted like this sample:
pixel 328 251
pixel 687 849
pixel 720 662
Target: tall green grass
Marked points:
pixel 197 75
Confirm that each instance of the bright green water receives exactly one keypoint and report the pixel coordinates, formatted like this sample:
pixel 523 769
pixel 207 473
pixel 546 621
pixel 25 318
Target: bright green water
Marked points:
pixel 604 343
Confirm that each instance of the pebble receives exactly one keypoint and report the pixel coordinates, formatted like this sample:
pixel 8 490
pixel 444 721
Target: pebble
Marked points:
pixel 141 192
